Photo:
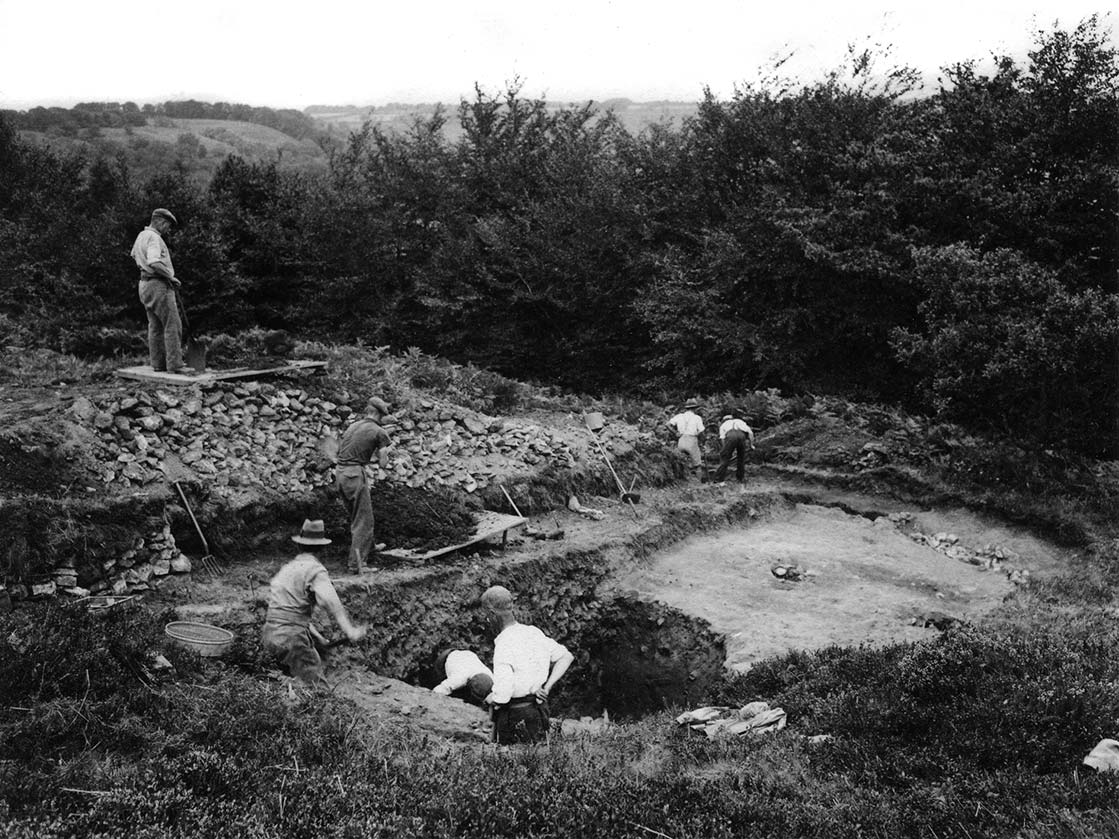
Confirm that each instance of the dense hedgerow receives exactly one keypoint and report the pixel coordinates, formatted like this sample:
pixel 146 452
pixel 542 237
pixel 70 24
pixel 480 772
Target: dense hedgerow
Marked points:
pixel 976 733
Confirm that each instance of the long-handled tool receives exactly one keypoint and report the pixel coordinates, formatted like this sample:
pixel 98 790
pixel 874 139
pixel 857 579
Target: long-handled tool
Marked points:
pixel 175 471
pixel 194 349
pixel 630 497
pixel 512 503
pixel 209 563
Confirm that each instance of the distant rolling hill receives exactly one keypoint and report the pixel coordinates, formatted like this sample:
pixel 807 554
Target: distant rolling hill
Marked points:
pixel 200 145
pixel 340 120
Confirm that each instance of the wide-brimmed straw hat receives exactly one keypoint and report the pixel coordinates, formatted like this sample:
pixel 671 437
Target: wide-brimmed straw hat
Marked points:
pixel 692 403
pixel 313 533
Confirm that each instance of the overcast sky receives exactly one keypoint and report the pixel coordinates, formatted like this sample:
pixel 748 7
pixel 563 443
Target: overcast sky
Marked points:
pixel 361 52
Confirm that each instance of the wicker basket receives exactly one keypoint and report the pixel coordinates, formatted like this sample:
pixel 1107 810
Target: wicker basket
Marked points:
pixel 204 639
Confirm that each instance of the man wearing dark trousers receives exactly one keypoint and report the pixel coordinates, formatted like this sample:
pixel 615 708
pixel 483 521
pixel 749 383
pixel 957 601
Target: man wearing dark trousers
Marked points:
pixel 526 666
pixel 735 433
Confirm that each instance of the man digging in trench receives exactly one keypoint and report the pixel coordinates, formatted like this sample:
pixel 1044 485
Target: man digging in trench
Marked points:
pixel 360 441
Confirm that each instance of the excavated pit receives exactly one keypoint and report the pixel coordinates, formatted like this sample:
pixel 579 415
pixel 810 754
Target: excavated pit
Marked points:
pixel 658 610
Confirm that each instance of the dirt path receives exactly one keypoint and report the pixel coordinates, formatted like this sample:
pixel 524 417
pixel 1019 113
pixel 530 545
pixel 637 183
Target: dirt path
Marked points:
pixel 867 582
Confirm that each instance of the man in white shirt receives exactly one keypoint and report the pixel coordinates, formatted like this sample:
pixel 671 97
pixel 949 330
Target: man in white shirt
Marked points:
pixel 463 670
pixel 157 292
pixel 734 432
pixel 689 428
pixel 526 666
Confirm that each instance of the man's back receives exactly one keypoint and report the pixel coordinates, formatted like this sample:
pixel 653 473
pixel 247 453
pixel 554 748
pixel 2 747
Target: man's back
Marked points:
pixel 292 589
pixel 149 247
pixel 687 423
pixel 359 441
pixel 522 659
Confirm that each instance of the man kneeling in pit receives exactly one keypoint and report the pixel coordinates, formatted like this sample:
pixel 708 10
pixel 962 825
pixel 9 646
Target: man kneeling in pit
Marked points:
pixel 466 677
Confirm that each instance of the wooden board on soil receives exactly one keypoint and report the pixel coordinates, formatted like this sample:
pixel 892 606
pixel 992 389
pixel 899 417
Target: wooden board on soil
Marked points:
pixel 145 373
pixel 489 524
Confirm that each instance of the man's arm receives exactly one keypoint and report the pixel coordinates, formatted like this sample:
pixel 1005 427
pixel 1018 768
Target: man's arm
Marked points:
pixel 328 597
pixel 559 667
pixel 450 685
pixel 153 255
pixel 750 434
pixel 384 441
pixel 502 690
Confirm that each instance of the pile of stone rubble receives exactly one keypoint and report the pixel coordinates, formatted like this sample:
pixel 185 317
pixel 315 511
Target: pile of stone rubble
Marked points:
pixel 265 436
pixel 990 557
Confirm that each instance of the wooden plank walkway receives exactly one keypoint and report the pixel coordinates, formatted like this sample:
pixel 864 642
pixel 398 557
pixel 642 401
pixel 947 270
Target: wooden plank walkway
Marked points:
pixel 147 374
pixel 489 525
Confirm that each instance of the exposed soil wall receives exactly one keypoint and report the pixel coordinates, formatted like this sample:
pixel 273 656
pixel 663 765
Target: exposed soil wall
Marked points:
pixel 630 657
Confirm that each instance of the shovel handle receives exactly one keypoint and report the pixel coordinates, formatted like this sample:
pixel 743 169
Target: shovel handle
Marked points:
pixel 197 528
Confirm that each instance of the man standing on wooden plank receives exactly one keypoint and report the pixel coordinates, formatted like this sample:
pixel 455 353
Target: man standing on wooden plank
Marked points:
pixel 360 442
pixel 157 292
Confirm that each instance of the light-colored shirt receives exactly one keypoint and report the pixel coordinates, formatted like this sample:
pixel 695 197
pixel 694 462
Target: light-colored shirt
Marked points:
pixel 460 666
pixel 292 596
pixel 687 424
pixel 148 249
pixel 522 659
pixel 360 441
pixel 733 425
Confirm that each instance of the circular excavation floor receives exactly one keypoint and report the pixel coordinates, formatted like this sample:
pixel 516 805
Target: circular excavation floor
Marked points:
pixel 858 579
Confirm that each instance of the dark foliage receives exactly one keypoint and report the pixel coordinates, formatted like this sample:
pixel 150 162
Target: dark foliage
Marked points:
pixel 956 253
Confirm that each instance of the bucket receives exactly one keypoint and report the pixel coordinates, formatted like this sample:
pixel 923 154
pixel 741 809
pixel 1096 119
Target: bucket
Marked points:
pixel 595 421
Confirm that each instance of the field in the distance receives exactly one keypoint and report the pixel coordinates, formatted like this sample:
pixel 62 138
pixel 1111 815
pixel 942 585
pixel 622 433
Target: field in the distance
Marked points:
pixel 202 144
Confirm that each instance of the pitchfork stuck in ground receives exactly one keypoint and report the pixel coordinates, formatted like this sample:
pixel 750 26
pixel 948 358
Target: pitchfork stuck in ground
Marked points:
pixel 176 471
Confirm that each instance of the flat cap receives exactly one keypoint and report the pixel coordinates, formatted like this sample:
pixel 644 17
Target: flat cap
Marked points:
pixel 377 404
pixel 498 599
pixel 162 212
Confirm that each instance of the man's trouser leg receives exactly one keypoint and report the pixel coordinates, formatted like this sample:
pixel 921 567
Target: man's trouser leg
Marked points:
pixel 725 454
pixel 165 330
pixel 740 454
pixel 521 721
pixel 353 486
pixel 689 444
pixel 296 651
pixel 734 444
